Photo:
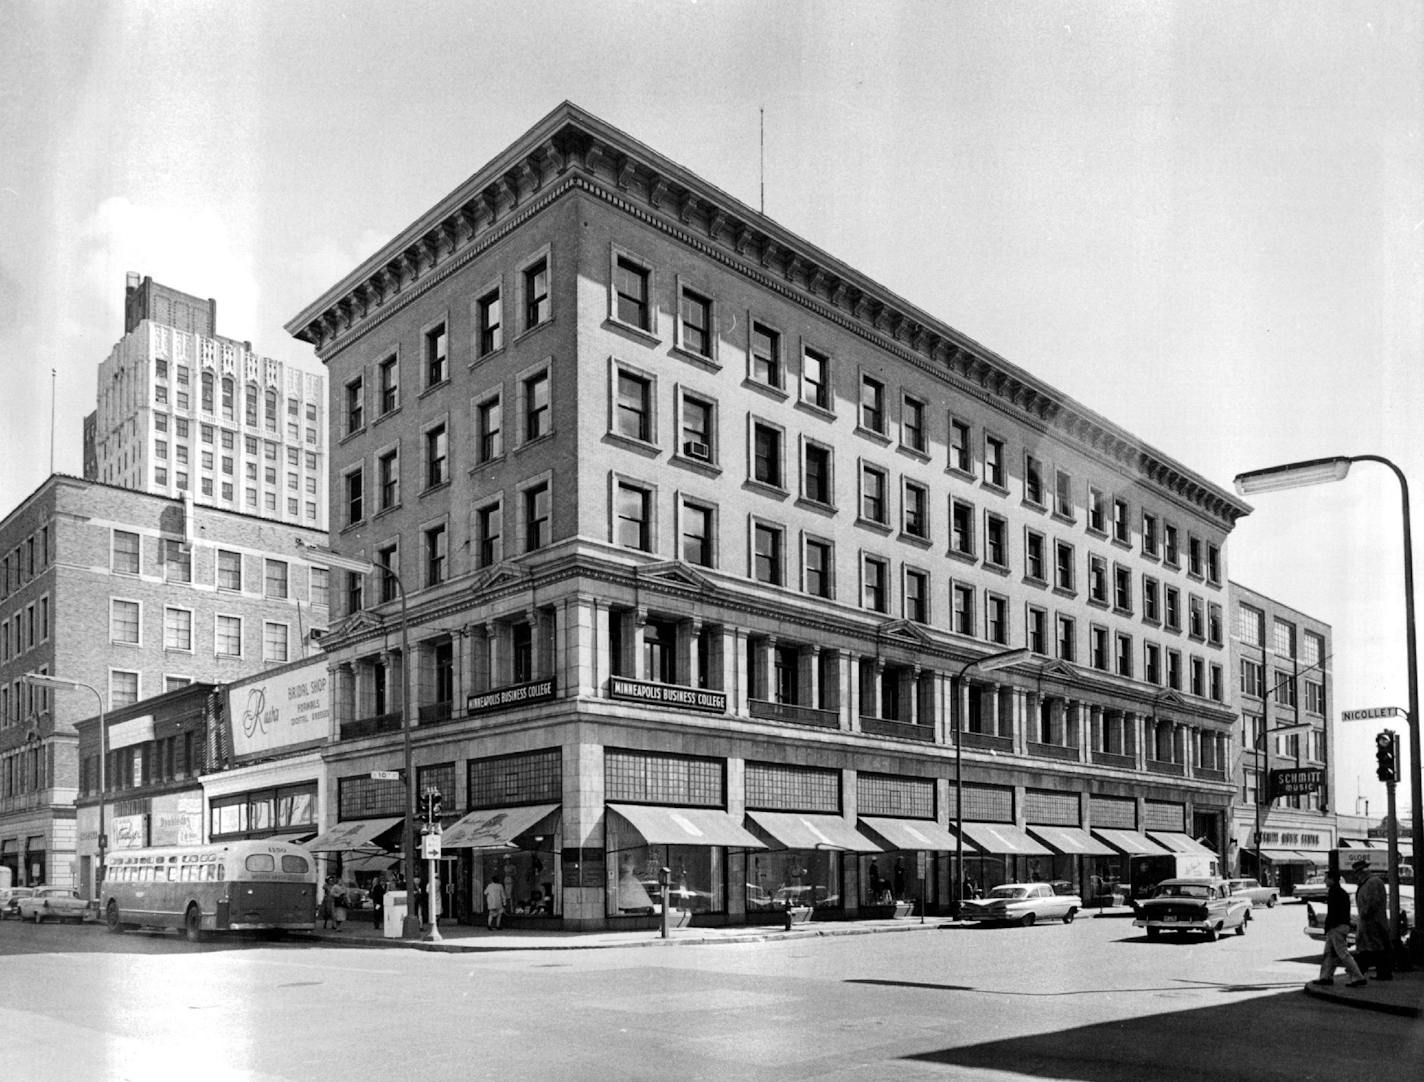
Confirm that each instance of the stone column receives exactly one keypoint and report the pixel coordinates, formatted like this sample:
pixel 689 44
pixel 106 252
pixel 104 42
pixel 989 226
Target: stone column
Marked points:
pixel 849 683
pixel 808 670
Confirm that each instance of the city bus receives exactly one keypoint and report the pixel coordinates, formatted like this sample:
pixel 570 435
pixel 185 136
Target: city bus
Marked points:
pixel 223 886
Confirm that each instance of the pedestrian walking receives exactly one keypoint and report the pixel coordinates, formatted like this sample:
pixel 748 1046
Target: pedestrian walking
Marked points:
pixel 327 904
pixel 1373 945
pixel 378 899
pixel 494 904
pixel 1337 929
pixel 338 903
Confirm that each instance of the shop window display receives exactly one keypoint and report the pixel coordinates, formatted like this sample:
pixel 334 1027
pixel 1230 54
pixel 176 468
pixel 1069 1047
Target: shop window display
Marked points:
pixel 793 877
pixel 887 878
pixel 698 879
pixel 528 878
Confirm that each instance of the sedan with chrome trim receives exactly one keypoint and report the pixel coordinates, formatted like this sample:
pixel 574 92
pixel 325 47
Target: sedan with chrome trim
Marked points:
pixel 1201 905
pixel 1021 903
pixel 55 903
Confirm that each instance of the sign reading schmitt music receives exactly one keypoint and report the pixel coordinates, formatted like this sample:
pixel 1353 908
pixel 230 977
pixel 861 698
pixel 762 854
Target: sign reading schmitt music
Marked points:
pixel 280 710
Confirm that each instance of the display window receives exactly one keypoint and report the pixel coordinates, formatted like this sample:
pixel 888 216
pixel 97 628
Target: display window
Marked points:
pixel 697 878
pixel 793 877
pixel 529 877
pixel 891 877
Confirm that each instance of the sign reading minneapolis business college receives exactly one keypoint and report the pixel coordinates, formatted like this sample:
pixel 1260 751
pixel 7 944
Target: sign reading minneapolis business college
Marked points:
pixel 514 695
pixel 714 702
pixel 291 707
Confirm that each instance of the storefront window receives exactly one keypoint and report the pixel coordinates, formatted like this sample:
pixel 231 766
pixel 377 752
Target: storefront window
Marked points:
pixel 894 877
pixel 698 880
pixel 790 877
pixel 528 878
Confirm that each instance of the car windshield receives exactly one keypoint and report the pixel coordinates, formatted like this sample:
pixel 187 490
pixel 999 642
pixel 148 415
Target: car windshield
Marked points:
pixel 1008 892
pixel 1183 890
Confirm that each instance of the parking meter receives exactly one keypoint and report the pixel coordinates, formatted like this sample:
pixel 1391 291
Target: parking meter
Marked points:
pixel 664 882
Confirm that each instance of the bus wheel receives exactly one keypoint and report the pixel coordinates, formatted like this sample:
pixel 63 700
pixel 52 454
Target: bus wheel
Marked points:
pixel 193 924
pixel 111 918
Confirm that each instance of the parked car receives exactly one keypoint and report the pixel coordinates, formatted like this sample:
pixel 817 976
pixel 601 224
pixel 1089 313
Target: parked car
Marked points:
pixel 1197 904
pixel 54 903
pixel 1312 890
pixel 1315 913
pixel 10 900
pixel 1251 888
pixel 1022 903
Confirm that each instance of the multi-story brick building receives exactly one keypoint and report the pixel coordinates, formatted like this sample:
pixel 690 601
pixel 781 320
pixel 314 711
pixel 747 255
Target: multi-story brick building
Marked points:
pixel 134 595
pixel 700 532
pixel 1283 660
pixel 185 412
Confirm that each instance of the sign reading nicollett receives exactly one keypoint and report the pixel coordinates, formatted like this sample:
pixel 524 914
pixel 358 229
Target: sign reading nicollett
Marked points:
pixel 278 711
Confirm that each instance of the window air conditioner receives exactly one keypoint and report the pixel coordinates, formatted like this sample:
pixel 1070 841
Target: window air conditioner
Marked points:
pixel 696 449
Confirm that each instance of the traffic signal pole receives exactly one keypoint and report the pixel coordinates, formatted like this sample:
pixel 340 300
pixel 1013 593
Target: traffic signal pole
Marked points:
pixel 1387 770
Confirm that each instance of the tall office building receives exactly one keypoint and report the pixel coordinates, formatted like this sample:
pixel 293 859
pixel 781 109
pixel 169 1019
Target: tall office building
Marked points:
pixel 185 412
pixel 707 548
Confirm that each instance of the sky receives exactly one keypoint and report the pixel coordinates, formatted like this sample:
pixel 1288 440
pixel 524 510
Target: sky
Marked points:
pixel 1203 220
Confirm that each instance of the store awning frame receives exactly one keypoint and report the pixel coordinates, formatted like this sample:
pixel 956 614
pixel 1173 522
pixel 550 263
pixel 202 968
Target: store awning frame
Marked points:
pixel 663 825
pixel 1129 843
pixel 909 835
pixel 1178 842
pixel 1284 856
pixel 499 828
pixel 351 835
pixel 805 830
pixel 1003 839
pixel 1071 841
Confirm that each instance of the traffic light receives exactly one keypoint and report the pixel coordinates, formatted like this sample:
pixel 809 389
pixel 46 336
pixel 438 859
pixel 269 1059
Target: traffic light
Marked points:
pixel 432 807
pixel 1387 756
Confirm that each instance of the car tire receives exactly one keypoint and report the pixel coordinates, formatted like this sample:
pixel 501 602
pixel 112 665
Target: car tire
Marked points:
pixel 1211 935
pixel 1068 916
pixel 1241 928
pixel 1152 933
pixel 38 916
pixel 1028 919
pixel 1271 902
pixel 193 924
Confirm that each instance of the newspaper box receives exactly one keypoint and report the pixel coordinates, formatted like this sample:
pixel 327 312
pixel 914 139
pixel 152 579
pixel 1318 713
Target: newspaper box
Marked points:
pixel 396 904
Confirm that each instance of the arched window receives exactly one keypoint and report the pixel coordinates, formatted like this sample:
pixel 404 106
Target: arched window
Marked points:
pixel 250 405
pixel 207 392
pixel 227 393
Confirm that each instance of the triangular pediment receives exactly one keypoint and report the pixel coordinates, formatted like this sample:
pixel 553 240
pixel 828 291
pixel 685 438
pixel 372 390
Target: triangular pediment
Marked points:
pixel 1167 698
pixel 357 623
pixel 906 631
pixel 676 573
pixel 1059 669
pixel 497 575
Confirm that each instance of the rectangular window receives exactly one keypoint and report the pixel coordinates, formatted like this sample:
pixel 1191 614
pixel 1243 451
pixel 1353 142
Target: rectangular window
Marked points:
pixel 437 356
pixel 875 572
pixel 489 322
pixel 177 629
pixel 355 490
pixel 634 505
pixel 1171 555
pixel 1124 655
pixel 437 457
pixel 1213 565
pixel 388 562
pixel 961 606
pixel 123 622
pixel 630 287
pixel 816 378
pixel 697 428
pixel 489 437
pixel 1097 579
pixel 1196 617
pixel 916 517
pixel 436 541
pixel 1122 588
pixel 872 404
pixel 996 618
pixel 274 642
pixel 1037 630
pixel 634 411
pixel 489 521
pixel 1063 494
pixel 1249 622
pixel 1172 599
pixel 912 424
pixel 177 561
pixel 1097 510
pixel 1151 600
pixel 818 568
pixel 1312 648
pixel 536 294
pixel 1152 663
pixel 917 589
pixel 816 485
pixel 228 636
pixel 388 466
pixel 536 517
pixel 1195 566
pixel 995 462
pixel 766 455
pixel 1033 480
pixel 1198 670
pixel 961 527
pixel 766 356
pixel 389 373
pixel 1098 648
pixel 1067 638
pixel 872 495
pixel 1150 543
pixel 355 407
pixel 123 691
pixel 695 323
pixel 124 553
pixel 1213 624
pixel 767 554
pixel 996 540
pixel 1283 638
pixel 274 578
pixel 1063 566
pixel 320 587
pixel 696 529
pixel 1035 556
pixel 961 457
pixel 536 406
pixel 1174 670
pixel 1122 529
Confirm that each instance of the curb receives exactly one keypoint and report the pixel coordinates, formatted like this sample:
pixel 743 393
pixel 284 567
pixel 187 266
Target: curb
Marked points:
pixel 1361 1003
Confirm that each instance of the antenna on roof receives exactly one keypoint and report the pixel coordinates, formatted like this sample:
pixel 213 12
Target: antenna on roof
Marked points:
pixel 53 374
pixel 761 112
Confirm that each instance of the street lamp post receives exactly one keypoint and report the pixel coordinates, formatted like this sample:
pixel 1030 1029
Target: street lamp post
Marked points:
pixel 1001 660
pixel 1257 751
pixel 410 927
pixel 1318 471
pixel 44 680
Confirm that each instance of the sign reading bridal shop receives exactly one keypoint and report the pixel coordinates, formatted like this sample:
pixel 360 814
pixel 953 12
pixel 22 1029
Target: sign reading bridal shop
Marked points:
pixel 675 695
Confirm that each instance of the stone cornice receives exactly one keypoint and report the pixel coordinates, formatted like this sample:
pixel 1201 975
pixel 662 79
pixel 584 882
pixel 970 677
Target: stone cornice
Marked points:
pixel 572 150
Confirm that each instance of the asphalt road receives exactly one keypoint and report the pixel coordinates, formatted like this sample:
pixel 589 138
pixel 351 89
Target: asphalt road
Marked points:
pixel 1091 1001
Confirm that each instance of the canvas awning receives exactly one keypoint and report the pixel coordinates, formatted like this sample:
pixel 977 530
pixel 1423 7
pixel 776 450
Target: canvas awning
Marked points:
pixel 1285 856
pixel 1003 838
pixel 352 834
pixel 686 826
pixel 382 862
pixel 497 828
pixel 1180 843
pixel 1070 841
pixel 1130 843
pixel 795 830
pixel 912 835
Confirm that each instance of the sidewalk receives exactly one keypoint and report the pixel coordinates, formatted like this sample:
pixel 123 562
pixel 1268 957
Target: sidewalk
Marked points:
pixel 1403 996
pixel 464 938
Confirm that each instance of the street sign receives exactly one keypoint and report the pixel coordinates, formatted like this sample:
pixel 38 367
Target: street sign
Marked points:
pixel 1371 713
pixel 430 846
pixel 385 775
pixel 1295 782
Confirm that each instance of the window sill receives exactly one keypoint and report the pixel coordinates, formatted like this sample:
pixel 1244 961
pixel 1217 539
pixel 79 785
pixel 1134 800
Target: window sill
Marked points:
pixel 816 410
pixel 918 540
pixel 701 465
pixel 780 394
pixel 711 364
pixel 351 434
pixel 1033 505
pixel 1035 580
pixel 493 460
pixel 1067 520
pixel 434 388
pixel 386 511
pixel 429 489
pixel 483 357
pixel 809 504
pixel 385 416
pixel 549 435
pixel 967 476
pixel 967 558
pixel 632 443
pixel 910 451
pixel 766 489
pixel 882 528
pixel 631 330
pixel 872 435
pixel 534 329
